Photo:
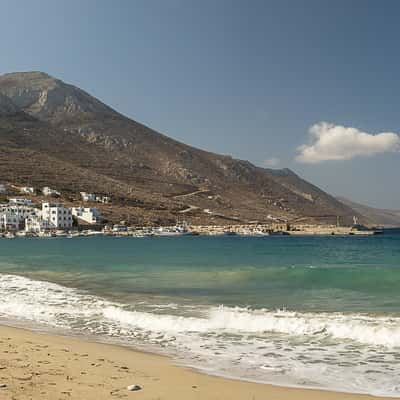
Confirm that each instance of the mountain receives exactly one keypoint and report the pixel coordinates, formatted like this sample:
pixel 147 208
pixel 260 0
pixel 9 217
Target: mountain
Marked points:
pixel 55 134
pixel 7 107
pixel 376 216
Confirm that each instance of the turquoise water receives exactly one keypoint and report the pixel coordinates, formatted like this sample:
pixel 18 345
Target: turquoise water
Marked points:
pixel 308 311
pixel 306 274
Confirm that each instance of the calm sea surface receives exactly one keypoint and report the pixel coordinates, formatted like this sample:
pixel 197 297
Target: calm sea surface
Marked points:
pixel 306 311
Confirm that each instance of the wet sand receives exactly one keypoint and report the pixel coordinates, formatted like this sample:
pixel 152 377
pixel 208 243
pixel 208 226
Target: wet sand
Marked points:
pixel 49 367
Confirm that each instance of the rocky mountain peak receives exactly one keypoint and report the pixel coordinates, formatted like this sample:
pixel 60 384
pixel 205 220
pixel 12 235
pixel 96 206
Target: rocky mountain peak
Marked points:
pixel 48 98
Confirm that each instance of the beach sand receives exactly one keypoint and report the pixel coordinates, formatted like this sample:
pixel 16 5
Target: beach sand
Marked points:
pixel 50 367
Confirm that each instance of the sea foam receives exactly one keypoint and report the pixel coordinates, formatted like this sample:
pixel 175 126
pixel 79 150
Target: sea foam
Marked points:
pixel 51 303
pixel 380 331
pixel 278 346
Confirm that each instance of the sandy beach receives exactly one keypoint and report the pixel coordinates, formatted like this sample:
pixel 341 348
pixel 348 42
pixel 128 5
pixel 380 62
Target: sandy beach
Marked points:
pixel 50 367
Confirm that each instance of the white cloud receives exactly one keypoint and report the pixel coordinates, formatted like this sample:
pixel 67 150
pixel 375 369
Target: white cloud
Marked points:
pixel 336 142
pixel 271 162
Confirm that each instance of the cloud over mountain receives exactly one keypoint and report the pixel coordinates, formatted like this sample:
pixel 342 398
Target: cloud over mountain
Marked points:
pixel 336 142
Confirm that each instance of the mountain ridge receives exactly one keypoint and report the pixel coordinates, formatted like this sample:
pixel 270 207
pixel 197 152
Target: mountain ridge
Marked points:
pixel 79 143
pixel 376 216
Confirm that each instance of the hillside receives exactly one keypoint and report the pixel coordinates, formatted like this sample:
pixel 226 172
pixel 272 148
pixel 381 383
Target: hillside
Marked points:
pixel 55 134
pixel 376 216
pixel 7 107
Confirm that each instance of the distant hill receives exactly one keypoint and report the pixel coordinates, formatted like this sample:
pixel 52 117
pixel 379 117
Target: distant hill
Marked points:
pixel 55 134
pixel 376 216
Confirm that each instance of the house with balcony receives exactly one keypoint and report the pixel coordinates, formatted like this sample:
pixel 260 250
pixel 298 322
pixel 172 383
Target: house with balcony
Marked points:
pixel 12 216
pixel 8 222
pixel 57 215
pixel 86 214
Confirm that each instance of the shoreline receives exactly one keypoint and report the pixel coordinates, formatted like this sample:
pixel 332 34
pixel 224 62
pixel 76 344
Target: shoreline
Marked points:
pixel 35 365
pixel 205 233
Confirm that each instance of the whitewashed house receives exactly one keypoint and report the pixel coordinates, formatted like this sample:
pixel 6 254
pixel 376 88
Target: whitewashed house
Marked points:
pixel 13 216
pixel 36 224
pixel 27 189
pixel 58 216
pixel 102 199
pixel 8 221
pixel 89 215
pixel 95 198
pixel 119 228
pixel 47 191
pixel 88 196
pixel 21 201
pixel 20 211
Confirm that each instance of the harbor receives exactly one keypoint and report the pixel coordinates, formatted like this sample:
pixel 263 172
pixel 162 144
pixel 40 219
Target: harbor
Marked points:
pixel 195 230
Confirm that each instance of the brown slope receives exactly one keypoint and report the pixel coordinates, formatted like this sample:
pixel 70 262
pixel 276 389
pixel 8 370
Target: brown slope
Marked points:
pixel 7 107
pixel 376 216
pixel 312 193
pixel 70 126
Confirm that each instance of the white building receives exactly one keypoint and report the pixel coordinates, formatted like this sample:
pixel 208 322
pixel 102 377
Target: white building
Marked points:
pixel 8 221
pixel 50 192
pixel 20 211
pixel 12 216
pixel 120 228
pixel 27 189
pixel 103 199
pixel 58 216
pixel 95 198
pixel 89 215
pixel 36 224
pixel 3 189
pixel 20 201
pixel 88 196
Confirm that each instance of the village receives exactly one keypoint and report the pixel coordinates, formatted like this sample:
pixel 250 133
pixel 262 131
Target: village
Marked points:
pixel 20 216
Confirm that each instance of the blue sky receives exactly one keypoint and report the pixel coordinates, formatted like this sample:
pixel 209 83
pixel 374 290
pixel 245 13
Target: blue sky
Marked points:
pixel 246 78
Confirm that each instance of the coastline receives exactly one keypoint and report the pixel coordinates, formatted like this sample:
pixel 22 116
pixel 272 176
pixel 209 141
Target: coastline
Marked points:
pixel 45 366
pixel 240 230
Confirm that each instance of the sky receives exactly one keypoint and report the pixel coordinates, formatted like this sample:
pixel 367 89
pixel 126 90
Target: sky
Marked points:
pixel 311 85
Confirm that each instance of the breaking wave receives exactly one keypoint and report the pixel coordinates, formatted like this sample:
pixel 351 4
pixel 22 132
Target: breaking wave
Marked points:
pixel 50 303
pixel 266 345
pixel 363 329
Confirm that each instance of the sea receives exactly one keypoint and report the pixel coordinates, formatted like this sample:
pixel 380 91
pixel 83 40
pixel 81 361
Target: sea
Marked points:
pixel 303 311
